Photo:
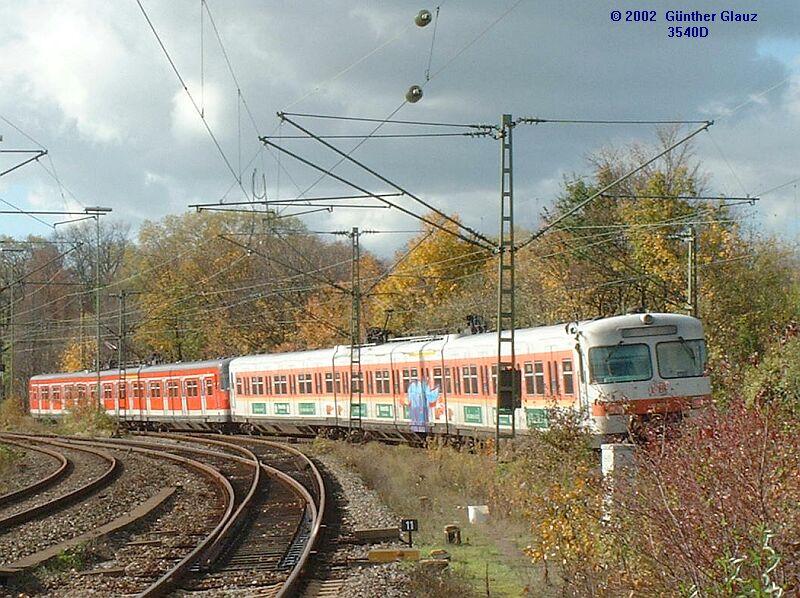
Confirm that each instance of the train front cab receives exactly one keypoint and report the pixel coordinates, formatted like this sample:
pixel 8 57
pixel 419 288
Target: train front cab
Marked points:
pixel 639 366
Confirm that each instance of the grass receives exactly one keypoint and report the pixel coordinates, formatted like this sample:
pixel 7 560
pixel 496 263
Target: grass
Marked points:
pixel 8 460
pixel 84 420
pixel 434 486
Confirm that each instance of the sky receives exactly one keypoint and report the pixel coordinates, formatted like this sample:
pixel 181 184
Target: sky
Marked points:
pixel 88 81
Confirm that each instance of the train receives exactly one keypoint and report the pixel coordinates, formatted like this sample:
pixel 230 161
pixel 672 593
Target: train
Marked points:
pixel 614 372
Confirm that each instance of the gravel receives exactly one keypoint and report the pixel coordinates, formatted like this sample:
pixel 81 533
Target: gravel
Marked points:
pixel 148 549
pixel 86 467
pixel 31 467
pixel 140 479
pixel 360 507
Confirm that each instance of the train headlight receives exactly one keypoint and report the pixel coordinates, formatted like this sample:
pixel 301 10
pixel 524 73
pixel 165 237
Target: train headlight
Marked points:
pixel 647 319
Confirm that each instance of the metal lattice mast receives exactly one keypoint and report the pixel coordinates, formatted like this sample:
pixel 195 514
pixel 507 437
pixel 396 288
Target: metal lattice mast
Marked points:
pixel 505 274
pixel 692 272
pixel 356 383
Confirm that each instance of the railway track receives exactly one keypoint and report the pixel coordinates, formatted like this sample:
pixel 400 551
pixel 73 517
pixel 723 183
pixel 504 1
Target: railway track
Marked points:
pixel 258 534
pixel 64 465
pixel 18 512
pixel 282 520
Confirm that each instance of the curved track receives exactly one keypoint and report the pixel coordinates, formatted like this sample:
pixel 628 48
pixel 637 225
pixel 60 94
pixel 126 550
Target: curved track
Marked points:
pixel 64 467
pixel 261 534
pixel 59 502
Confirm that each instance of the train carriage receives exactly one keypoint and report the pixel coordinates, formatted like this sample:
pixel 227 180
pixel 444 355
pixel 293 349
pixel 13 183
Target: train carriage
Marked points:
pixel 616 371
pixel 190 394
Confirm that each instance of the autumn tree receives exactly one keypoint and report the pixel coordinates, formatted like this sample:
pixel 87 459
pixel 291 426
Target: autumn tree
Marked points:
pixel 434 269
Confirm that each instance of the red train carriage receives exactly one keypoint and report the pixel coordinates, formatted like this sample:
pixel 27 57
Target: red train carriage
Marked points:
pixel 192 393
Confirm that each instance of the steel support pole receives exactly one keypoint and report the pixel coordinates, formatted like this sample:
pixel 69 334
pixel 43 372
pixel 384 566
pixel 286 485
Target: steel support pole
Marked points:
pixel 506 310
pixel 356 383
pixel 692 272
pixel 97 307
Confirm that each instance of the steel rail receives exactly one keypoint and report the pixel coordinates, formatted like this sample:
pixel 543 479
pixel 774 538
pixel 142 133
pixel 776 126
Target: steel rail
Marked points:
pixel 70 497
pixel 65 465
pixel 169 579
pixel 315 505
pixel 238 517
pixel 318 510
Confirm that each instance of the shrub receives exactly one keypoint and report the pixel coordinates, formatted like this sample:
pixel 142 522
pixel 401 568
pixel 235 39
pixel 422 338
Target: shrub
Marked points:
pixel 776 378
pixel 701 506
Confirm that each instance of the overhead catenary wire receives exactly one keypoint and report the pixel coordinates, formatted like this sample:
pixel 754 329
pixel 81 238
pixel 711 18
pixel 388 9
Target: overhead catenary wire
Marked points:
pixel 197 109
pixel 611 185
pixel 389 182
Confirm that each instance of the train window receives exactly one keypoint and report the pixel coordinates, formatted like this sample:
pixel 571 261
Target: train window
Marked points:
pixel 370 385
pixel 238 385
pixel 192 388
pixel 528 375
pixel 567 376
pixel 447 381
pixel 338 378
pixel 494 380
pixel 395 381
pixel 681 358
pixel 469 375
pixel 45 393
pixel 329 384
pixel 485 379
pixel 155 390
pixel 457 380
pixel 620 363
pixel 437 378
pixel 173 390
pixel 81 392
pixel 209 383
pixel 406 380
pixel 304 382
pixel 357 382
pixel 56 391
pixel 122 390
pixel 257 384
pixel 292 384
pixel 382 384
pixel 107 391
pixel 384 411
pixel 246 381
pixel 280 385
pixel 93 392
pixel 138 390
pixel 538 377
pixel 282 408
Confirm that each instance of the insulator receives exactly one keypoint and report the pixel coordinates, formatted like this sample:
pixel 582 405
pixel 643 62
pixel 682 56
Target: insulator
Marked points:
pixel 423 18
pixel 414 94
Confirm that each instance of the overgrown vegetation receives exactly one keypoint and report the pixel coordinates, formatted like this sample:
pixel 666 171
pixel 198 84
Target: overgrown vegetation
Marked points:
pixel 8 460
pixel 712 511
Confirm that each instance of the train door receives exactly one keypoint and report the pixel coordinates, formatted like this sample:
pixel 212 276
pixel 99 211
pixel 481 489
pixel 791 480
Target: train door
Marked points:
pixel 205 387
pixel 184 405
pixel 554 387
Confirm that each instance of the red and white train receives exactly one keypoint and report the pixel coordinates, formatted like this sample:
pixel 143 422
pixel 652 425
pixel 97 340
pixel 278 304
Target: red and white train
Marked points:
pixel 614 370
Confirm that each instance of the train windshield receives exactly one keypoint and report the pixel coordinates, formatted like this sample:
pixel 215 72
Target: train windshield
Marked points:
pixel 681 358
pixel 620 363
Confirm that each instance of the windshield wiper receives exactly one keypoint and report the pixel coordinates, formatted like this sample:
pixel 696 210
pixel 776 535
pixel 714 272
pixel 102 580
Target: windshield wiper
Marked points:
pixel 686 348
pixel 613 352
